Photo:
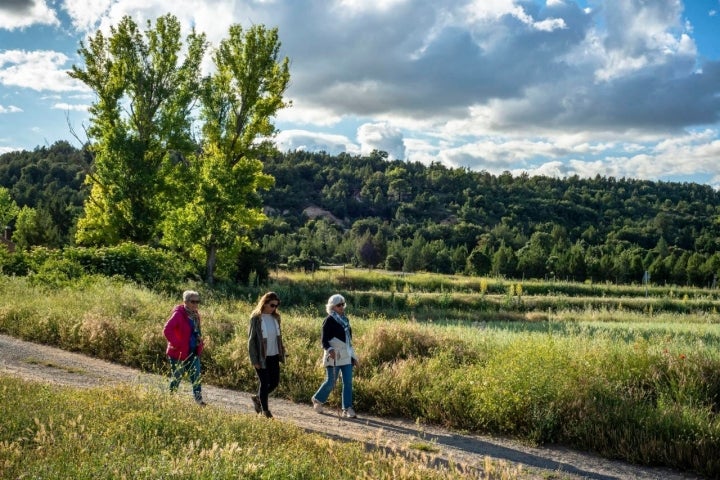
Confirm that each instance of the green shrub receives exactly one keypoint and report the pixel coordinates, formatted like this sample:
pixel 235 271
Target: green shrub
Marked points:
pixel 145 265
pixel 56 272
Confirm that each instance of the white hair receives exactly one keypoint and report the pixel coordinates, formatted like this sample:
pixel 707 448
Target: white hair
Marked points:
pixel 190 294
pixel 332 301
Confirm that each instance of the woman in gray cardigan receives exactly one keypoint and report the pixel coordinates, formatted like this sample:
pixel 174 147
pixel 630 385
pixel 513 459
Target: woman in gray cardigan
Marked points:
pixel 265 348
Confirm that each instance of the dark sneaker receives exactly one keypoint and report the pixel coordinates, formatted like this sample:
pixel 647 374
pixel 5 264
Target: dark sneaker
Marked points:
pixel 267 414
pixel 256 403
pixel 200 401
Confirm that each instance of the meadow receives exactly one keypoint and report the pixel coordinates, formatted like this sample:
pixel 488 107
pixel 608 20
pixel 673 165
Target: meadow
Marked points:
pixel 53 432
pixel 627 372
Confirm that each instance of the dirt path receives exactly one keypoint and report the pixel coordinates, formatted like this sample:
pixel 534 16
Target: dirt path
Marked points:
pixel 47 364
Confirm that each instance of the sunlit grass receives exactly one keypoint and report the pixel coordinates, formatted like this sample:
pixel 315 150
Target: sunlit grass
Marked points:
pixel 125 432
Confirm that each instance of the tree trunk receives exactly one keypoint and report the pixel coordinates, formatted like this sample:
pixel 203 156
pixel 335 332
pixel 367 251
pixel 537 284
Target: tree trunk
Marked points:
pixel 210 264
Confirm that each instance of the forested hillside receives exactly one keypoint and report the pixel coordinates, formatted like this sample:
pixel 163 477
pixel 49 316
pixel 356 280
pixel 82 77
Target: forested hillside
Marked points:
pixel 414 217
pixel 49 183
pixel 368 211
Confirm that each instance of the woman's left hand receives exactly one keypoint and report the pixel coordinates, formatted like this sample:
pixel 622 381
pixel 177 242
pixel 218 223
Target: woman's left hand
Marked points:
pixel 355 363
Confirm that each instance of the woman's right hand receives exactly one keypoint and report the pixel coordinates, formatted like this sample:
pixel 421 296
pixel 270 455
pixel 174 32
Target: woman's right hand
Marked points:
pixel 331 354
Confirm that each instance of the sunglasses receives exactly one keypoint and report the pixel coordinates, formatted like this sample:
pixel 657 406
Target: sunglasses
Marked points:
pixel 340 305
pixel 194 301
pixel 273 305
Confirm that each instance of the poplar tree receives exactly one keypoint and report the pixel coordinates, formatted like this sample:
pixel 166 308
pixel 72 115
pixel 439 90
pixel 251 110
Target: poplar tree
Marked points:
pixel 140 123
pixel 238 102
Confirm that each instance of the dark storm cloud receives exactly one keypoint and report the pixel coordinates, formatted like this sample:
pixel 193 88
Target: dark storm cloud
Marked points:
pixel 424 59
pixel 17 6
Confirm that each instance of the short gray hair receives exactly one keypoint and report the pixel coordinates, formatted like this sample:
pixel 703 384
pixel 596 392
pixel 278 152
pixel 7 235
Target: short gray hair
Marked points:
pixel 190 294
pixel 332 301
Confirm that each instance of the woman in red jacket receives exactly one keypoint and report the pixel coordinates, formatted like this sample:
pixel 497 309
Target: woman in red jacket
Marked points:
pixel 185 343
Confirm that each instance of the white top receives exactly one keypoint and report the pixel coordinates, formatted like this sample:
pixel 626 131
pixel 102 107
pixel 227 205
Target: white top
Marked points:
pixel 270 332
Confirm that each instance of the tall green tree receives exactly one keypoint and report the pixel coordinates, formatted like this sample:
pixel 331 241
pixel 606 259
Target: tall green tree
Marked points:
pixel 35 227
pixel 139 124
pixel 8 210
pixel 238 103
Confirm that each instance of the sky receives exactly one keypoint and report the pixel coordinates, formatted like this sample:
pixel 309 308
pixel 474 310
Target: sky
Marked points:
pixel 622 88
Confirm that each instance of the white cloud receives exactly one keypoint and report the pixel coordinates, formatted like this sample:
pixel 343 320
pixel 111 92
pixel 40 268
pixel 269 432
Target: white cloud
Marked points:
pixel 70 106
pixel 37 70
pixel 10 109
pixel 381 136
pixel 291 140
pixel 19 14
pixel 86 13
pixel 548 87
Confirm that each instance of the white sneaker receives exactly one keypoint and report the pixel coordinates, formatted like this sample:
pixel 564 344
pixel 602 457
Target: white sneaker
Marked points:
pixel 317 406
pixel 349 413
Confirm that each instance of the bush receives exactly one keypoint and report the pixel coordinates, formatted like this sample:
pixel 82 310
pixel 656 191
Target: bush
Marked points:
pixel 147 266
pixel 56 272
pixel 394 341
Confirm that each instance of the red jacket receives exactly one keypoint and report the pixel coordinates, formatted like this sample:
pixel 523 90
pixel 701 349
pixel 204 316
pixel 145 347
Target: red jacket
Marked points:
pixel 178 330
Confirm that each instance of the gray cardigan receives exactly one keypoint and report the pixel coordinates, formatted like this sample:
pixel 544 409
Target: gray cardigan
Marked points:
pixel 257 345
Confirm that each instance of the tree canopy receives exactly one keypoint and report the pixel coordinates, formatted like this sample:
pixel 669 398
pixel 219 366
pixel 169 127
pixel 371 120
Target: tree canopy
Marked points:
pixel 141 121
pixel 152 181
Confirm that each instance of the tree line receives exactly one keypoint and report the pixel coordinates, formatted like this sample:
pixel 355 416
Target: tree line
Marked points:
pixel 371 212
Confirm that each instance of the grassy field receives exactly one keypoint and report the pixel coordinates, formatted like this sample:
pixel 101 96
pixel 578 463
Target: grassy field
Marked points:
pixel 622 371
pixel 126 432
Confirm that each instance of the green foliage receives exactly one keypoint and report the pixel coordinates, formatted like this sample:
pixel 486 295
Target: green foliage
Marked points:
pixel 8 208
pixel 14 263
pixel 219 199
pixel 35 227
pixel 420 217
pixel 132 147
pixel 55 272
pixel 147 266
pixel 50 180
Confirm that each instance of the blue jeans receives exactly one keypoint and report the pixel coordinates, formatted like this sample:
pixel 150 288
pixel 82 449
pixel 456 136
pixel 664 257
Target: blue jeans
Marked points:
pixel 332 374
pixel 190 365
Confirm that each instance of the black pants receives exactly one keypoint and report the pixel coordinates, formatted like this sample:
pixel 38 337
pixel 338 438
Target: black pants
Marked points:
pixel 269 379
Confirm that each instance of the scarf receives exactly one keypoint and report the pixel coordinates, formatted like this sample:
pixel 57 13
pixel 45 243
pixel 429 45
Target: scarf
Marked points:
pixel 345 323
pixel 195 324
